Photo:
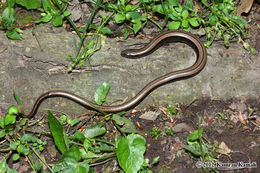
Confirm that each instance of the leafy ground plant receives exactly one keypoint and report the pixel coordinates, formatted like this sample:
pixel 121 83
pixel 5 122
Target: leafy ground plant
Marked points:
pixel 82 150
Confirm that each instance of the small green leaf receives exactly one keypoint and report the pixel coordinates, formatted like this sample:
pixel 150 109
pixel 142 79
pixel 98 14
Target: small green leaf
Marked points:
pixel 12 171
pixel 75 121
pixel 134 15
pixel 26 138
pixel 174 25
pixel 128 8
pixel 137 26
pixel 130 152
pixel 204 2
pixel 2 122
pixel 106 30
pixel 29 4
pixel 189 4
pixel 44 19
pixel 3 165
pixel 8 17
pixel 13 34
pixel 194 149
pixel 10 3
pixel 2 133
pixel 101 92
pixel 37 165
pixel 58 133
pixel 112 6
pixel 185 14
pixel 184 24
pixel 48 7
pixel 127 125
pixel 194 22
pixel 9 119
pixel 119 18
pixel 253 51
pixel 57 20
pixel 16 157
pixel 78 136
pixel 23 149
pixel 95 130
pixel 13 145
pixel 66 13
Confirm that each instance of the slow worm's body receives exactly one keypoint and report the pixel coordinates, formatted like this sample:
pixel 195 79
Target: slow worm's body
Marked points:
pixel 180 36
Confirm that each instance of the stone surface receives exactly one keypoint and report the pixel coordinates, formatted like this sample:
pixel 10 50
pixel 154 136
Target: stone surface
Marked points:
pixel 30 71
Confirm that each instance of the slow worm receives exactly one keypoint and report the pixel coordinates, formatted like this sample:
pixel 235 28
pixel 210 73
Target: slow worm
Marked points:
pixel 178 36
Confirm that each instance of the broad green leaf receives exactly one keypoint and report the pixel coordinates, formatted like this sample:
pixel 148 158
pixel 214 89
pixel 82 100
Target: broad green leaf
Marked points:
pixel 134 15
pixel 158 8
pixel 212 20
pixel 130 152
pixel 73 152
pixel 194 136
pixel 106 30
pixel 8 17
pixel 16 157
pixel 29 4
pixel 9 119
pixel 37 165
pixel 13 145
pixel 66 13
pixel 12 171
pixel 48 7
pixel 184 24
pixel 128 8
pixel 137 26
pixel 119 18
pixel 13 34
pixel 174 25
pixel 95 130
pixel 189 4
pixel 44 19
pixel 194 149
pixel 3 166
pixel 2 133
pixel 78 136
pixel 239 20
pixel 101 92
pixel 23 149
pixel 185 14
pixel 28 138
pixel 194 22
pixel 58 133
pixel 10 3
pixel 2 122
pixel 127 125
pixel 57 20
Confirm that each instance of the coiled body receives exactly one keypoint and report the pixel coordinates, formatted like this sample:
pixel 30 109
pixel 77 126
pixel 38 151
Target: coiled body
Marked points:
pixel 179 36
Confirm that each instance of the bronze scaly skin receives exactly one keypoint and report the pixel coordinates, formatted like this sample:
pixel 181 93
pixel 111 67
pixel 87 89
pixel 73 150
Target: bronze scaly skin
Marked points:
pixel 178 36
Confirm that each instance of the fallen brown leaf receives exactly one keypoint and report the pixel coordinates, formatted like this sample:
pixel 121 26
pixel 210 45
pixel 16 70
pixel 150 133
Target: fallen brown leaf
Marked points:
pixel 244 7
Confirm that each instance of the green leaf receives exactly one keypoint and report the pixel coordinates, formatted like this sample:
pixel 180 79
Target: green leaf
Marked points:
pixel 75 121
pixel 48 7
pixel 44 19
pixel 101 92
pixel 2 133
pixel 8 17
pixel 127 125
pixel 185 14
pixel 194 149
pixel 95 130
pixel 73 152
pixel 174 25
pixel 189 4
pixel 58 133
pixel 16 157
pixel 10 3
pixel 13 145
pixel 128 7
pixel 26 138
pixel 158 8
pixel 119 18
pixel 204 2
pixel 106 30
pixel 66 13
pixel 29 4
pixel 57 20
pixel 78 136
pixel 134 15
pixel 3 166
pixel 37 165
pixel 184 23
pixel 23 149
pixel 212 20
pixel 137 26
pixel 13 34
pixel 12 171
pixel 194 22
pixel 9 119
pixel 112 6
pixel 130 152
pixel 194 136
pixel 2 122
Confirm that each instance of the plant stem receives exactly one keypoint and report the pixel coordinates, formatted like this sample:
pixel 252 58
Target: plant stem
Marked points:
pixel 43 161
